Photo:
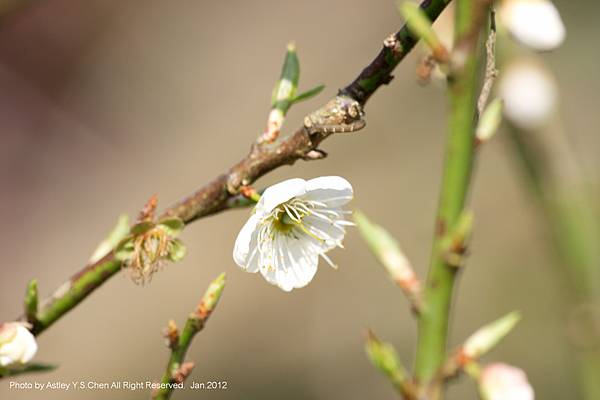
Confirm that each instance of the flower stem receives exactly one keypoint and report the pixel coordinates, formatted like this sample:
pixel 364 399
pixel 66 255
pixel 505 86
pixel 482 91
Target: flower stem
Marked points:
pixel 463 88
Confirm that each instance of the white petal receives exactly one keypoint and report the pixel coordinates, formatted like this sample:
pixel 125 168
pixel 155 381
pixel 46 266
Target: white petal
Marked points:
pixel 535 23
pixel 20 349
pixel 253 262
pixel 284 280
pixel 330 233
pixel 5 361
pixel 29 344
pixel 529 94
pixel 300 266
pixel 10 353
pixel 269 275
pixel 331 190
pixel 246 242
pixel 280 193
pixel 500 381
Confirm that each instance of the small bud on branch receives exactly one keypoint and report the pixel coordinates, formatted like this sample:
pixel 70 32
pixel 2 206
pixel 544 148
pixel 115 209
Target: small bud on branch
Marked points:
pixel 31 302
pixel 386 360
pixel 181 373
pixel 425 69
pixel 487 337
pixel 149 209
pixel 211 297
pixel 489 122
pixel 421 27
pixel 454 243
pixel 284 95
pixel 171 333
pixel 388 253
pixel 479 344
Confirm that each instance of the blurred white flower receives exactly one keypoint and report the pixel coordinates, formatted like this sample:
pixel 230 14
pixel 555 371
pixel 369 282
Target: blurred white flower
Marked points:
pixel 17 344
pixel 535 23
pixel 294 223
pixel 504 382
pixel 529 94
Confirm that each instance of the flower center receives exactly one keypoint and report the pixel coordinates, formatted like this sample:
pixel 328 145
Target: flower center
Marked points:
pixel 290 214
pixel 283 220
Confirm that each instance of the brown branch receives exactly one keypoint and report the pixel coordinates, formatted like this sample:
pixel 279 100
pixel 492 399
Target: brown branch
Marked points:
pixel 222 192
pixel 395 48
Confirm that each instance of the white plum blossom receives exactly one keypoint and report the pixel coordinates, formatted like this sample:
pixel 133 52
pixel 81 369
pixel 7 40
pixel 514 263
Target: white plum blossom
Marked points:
pixel 535 23
pixel 529 93
pixel 294 222
pixel 17 344
pixel 500 381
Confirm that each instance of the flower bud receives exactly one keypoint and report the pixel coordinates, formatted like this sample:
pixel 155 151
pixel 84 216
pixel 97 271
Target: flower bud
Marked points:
pixel 386 360
pixel 504 382
pixel 485 338
pixel 529 93
pixel 17 344
pixel 489 121
pixel 388 253
pixel 211 297
pixel 535 23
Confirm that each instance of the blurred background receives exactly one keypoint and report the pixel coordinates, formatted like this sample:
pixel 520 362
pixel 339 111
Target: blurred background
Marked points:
pixel 105 102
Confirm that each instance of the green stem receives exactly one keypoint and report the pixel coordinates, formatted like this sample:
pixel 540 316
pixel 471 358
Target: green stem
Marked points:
pixel 192 326
pixel 82 284
pixel 463 88
pixel 174 374
pixel 72 292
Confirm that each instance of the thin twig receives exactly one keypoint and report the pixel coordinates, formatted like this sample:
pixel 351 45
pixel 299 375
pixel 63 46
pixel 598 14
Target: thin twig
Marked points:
pixel 491 72
pixel 217 195
pixel 177 370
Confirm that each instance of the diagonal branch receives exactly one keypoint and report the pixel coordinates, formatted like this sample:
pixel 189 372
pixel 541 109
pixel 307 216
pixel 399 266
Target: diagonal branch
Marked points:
pixel 222 192
pixel 395 48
